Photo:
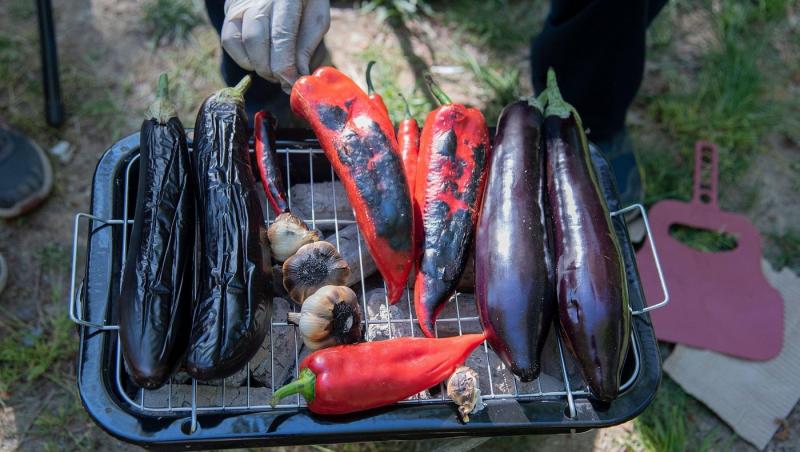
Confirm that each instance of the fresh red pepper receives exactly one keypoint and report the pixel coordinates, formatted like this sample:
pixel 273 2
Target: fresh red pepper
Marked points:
pixel 451 174
pixel 334 380
pixel 271 177
pixel 360 143
pixel 374 97
pixel 408 142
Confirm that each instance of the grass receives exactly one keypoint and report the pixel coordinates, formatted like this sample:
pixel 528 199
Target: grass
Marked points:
pixel 785 250
pixel 501 26
pixel 170 21
pixel 703 239
pixel 500 87
pixel 667 425
pixel 396 9
pixel 729 100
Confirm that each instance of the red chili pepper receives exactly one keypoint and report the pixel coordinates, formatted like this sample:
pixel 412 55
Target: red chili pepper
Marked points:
pixel 360 143
pixel 451 174
pixel 374 97
pixel 408 142
pixel 271 177
pixel 334 380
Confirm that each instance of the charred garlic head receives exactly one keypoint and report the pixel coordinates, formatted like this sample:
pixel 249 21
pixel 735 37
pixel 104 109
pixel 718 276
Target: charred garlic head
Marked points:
pixel 330 316
pixel 287 234
pixel 313 266
pixel 463 388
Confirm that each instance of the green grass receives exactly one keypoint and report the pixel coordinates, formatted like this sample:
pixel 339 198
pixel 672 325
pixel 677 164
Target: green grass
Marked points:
pixel 396 9
pixel 667 424
pixel 730 100
pixel 501 26
pixel 500 87
pixel 170 21
pixel 29 353
pixel 703 239
pixel 784 250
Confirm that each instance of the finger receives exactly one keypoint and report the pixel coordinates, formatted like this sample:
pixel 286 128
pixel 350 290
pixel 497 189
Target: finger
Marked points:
pixel 315 23
pixel 232 42
pixel 285 23
pixel 255 35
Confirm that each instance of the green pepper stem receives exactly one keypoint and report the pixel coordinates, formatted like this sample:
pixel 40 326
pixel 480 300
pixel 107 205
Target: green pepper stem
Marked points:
pixel 162 109
pixel 437 91
pixel 556 105
pixel 370 88
pixel 405 102
pixel 303 385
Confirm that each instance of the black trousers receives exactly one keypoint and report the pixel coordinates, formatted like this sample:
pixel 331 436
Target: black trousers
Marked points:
pixel 597 48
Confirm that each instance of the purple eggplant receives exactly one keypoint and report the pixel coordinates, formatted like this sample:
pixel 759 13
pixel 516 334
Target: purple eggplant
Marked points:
pixel 592 290
pixel 514 269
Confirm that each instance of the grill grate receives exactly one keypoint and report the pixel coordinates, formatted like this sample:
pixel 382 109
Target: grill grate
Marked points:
pixel 559 377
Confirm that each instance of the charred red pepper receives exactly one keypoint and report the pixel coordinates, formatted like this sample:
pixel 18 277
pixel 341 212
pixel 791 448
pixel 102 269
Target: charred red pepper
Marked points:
pixel 271 177
pixel 360 143
pixel 451 174
pixel 333 380
pixel 408 142
pixel 373 95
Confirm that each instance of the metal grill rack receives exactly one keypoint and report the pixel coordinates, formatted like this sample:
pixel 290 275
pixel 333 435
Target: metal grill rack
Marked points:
pixel 242 394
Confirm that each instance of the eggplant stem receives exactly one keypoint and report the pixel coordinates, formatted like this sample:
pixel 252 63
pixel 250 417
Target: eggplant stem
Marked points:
pixel 405 102
pixel 437 91
pixel 162 109
pixel 236 93
pixel 535 102
pixel 303 385
pixel 556 105
pixel 370 88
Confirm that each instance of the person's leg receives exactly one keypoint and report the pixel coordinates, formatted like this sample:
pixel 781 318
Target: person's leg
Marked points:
pixel 262 93
pixel 597 48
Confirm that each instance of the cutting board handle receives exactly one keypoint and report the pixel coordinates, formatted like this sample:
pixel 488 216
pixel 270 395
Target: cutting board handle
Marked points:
pixel 706 174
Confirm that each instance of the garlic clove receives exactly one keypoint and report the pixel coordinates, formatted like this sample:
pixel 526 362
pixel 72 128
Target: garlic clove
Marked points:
pixel 330 316
pixel 465 391
pixel 313 266
pixel 287 234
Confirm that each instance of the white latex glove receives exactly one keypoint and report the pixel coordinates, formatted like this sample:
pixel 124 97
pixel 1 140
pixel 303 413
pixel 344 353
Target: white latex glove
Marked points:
pixel 275 38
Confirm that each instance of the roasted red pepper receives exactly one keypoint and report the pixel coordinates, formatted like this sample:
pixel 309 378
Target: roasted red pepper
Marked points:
pixel 408 142
pixel 271 177
pixel 451 173
pixel 373 95
pixel 360 143
pixel 333 380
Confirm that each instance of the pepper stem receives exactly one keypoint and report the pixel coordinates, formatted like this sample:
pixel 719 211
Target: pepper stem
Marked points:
pixel 405 102
pixel 236 93
pixel 303 385
pixel 370 88
pixel 162 109
pixel 556 105
pixel 437 91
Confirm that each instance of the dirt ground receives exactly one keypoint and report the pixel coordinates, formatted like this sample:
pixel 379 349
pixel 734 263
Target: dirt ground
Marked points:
pixel 108 70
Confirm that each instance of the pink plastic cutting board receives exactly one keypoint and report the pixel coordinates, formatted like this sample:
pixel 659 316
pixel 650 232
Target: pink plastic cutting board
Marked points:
pixel 718 301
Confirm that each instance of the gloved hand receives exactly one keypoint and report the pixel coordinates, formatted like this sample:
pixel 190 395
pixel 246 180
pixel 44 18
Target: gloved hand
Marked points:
pixel 275 38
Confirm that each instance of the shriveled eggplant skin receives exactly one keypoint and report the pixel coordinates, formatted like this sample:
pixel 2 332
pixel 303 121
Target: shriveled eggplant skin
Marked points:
pixel 156 293
pixel 514 268
pixel 234 293
pixel 591 285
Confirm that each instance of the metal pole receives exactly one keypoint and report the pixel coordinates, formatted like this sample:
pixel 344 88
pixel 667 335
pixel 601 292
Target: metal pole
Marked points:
pixel 53 107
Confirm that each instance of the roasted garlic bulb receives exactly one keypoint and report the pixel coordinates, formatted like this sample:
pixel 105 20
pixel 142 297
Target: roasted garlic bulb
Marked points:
pixel 463 388
pixel 287 234
pixel 314 265
pixel 331 316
